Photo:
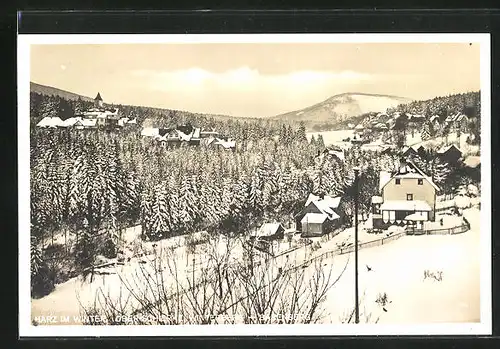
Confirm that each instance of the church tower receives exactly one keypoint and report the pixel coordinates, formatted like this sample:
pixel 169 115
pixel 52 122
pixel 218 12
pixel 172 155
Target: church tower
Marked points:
pixel 98 100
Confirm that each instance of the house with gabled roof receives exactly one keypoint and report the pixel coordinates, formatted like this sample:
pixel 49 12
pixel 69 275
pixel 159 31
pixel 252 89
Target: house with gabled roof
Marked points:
pixel 409 151
pixel 270 231
pixel 50 122
pixel 414 151
pixel 320 215
pixel 404 192
pixel 450 153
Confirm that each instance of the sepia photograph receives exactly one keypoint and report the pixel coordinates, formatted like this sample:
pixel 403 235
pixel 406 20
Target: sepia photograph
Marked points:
pixel 212 184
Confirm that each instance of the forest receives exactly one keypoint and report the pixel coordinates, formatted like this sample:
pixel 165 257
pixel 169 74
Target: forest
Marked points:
pixel 94 184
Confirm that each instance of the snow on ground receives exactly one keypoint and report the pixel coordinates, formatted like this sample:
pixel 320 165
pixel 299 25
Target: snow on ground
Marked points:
pixel 66 298
pixel 397 269
pixel 332 137
pixel 461 142
pixel 413 139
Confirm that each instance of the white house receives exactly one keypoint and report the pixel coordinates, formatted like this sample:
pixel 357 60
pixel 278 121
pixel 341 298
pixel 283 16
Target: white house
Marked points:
pixel 405 192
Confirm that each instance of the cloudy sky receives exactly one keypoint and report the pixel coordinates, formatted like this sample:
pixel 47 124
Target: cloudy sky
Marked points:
pixel 254 79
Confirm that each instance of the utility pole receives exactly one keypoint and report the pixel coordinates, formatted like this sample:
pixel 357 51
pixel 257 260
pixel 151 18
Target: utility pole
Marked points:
pixel 356 199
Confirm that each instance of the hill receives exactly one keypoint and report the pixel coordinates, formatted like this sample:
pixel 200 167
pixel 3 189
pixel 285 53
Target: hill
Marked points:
pixel 52 91
pixel 342 107
pixel 45 90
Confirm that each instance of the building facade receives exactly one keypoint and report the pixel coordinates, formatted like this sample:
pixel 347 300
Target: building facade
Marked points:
pixel 403 193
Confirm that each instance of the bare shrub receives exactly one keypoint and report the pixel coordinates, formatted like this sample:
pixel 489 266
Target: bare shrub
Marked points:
pixel 223 290
pixel 435 275
pixel 382 299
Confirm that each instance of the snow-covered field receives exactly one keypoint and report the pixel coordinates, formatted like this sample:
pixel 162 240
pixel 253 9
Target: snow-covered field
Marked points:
pixel 397 269
pixel 332 137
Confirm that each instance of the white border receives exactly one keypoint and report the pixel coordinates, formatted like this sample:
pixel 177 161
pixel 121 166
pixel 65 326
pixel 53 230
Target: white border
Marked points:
pixel 27 330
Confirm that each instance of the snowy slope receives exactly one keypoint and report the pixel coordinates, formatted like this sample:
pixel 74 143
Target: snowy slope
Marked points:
pixel 344 106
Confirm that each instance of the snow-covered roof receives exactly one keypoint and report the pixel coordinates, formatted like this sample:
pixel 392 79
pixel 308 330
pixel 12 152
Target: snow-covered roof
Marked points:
pixel 405 205
pixel 413 147
pixel 384 178
pixel 45 122
pixel 332 202
pixel 50 122
pixel 150 131
pixel 325 205
pixel 415 217
pixel 377 199
pixel 406 170
pixel 89 122
pixel 338 154
pixel 209 132
pixel 472 161
pixel 323 208
pixel 225 144
pixel 196 132
pixel 452 117
pixel 71 121
pixel 311 198
pixel 183 136
pixel 409 175
pixel 268 229
pixel 101 113
pixel 434 117
pixel 314 218
pixel 446 148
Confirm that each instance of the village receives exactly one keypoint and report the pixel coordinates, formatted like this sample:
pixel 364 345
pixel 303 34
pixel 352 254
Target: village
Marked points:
pixel 100 117
pixel 255 183
pixel 408 203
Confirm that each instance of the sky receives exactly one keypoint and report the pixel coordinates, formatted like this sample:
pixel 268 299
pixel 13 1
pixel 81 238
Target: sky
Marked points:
pixel 254 80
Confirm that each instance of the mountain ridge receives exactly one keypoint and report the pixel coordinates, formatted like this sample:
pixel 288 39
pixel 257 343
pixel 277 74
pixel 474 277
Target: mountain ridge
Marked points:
pixel 342 107
pixel 54 91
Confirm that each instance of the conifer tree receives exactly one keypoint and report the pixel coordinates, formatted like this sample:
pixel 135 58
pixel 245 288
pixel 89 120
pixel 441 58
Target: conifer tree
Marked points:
pixel 301 133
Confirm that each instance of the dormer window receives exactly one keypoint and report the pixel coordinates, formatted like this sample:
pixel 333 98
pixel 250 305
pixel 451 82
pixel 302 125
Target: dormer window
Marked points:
pixel 420 181
pixel 398 181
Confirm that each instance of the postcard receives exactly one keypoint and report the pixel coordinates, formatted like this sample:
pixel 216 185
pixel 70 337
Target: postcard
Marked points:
pixel 271 184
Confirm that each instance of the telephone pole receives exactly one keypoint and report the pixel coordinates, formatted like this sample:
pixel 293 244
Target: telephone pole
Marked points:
pixel 356 199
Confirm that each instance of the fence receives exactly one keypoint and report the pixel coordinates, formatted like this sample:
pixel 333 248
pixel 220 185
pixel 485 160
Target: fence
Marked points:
pixel 445 197
pixel 446 231
pixel 350 249
pixel 379 242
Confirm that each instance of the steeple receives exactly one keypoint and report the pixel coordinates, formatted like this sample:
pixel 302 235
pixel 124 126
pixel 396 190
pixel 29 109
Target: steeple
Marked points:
pixel 98 100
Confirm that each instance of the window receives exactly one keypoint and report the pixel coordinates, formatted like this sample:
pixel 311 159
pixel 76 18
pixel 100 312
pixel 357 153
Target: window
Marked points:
pixel 376 209
pixel 409 197
pixel 398 181
pixel 420 181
